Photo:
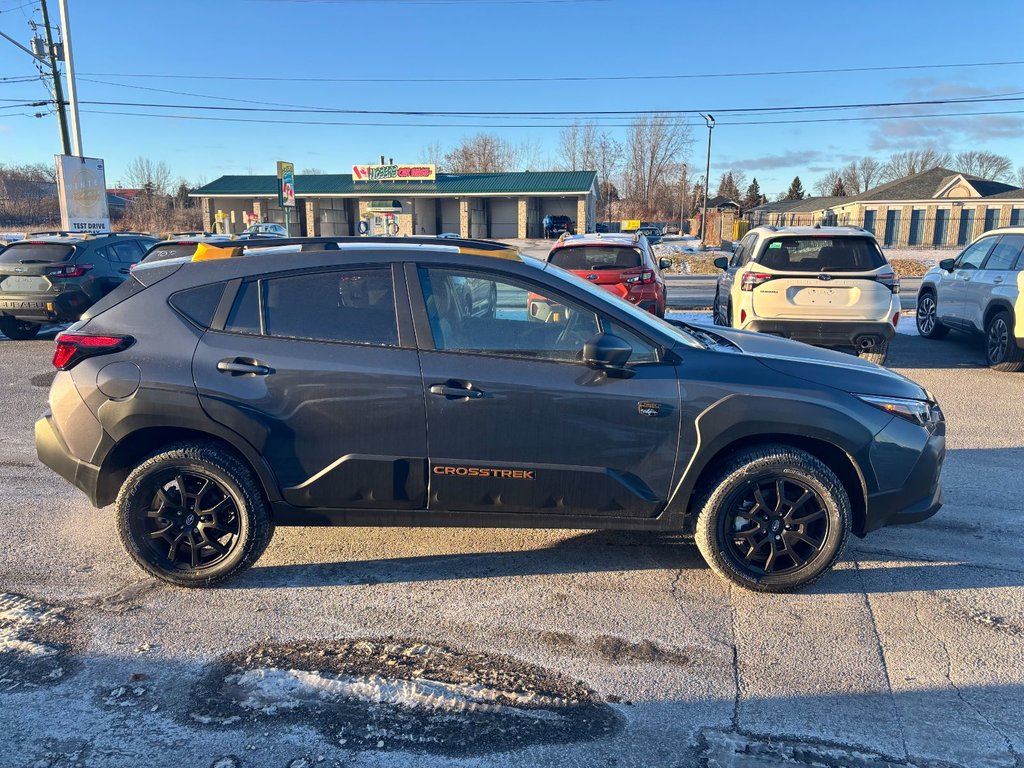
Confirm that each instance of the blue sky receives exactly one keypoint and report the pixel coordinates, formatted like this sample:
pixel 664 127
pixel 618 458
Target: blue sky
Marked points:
pixel 117 40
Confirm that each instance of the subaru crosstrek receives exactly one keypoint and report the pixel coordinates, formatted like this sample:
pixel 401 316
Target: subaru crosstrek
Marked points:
pixel 350 383
pixel 55 278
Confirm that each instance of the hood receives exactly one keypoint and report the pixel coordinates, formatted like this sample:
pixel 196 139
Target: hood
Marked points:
pixel 825 367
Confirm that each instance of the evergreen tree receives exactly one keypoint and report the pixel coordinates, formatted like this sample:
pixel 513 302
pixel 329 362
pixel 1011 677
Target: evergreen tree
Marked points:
pixel 727 188
pixel 796 190
pixel 753 198
pixel 839 188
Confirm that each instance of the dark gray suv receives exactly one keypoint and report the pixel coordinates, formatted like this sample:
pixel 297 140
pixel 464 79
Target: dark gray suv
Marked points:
pixel 336 382
pixel 55 277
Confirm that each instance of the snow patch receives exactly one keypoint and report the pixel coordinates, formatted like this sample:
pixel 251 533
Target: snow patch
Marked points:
pixel 19 617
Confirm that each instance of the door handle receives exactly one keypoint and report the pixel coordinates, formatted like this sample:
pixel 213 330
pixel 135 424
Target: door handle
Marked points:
pixel 238 367
pixel 452 390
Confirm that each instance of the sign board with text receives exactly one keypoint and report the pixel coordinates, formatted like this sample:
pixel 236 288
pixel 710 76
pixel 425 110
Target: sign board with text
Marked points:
pixel 82 191
pixel 285 184
pixel 420 172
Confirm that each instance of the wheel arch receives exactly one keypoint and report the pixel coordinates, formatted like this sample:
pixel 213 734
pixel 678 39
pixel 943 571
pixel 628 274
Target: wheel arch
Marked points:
pixel 833 456
pixel 134 447
pixel 998 305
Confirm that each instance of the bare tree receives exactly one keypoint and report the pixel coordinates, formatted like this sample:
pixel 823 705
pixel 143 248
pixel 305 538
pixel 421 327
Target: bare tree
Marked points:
pixel 987 165
pixel 1020 176
pixel 655 149
pixel 903 164
pixel 578 146
pixel 152 176
pixel 488 153
pixel 823 187
pixel 312 171
pixel 433 153
pixel 607 163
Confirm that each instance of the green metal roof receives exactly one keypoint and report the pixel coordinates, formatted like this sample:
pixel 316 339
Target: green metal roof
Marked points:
pixel 519 183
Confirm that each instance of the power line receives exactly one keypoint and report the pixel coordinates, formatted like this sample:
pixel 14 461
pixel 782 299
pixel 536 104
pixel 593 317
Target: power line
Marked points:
pixel 565 79
pixel 573 113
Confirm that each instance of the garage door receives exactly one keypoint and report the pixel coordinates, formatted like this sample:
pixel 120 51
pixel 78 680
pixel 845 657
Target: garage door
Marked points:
pixel 504 218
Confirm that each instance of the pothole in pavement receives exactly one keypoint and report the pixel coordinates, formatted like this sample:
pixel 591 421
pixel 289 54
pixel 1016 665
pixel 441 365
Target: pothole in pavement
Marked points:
pixel 389 694
pixel 35 641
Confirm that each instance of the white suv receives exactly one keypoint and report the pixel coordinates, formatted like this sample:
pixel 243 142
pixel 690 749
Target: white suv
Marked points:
pixel 981 291
pixel 829 286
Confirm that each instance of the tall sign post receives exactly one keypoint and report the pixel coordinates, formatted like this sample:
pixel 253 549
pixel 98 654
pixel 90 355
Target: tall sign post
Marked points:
pixel 286 191
pixel 82 190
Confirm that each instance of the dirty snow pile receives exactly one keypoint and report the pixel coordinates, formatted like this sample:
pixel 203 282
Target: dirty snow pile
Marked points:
pixel 19 616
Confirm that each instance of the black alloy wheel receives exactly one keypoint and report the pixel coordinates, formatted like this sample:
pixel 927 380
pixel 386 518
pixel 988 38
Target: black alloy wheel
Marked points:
pixel 192 521
pixel 775 525
pixel 18 330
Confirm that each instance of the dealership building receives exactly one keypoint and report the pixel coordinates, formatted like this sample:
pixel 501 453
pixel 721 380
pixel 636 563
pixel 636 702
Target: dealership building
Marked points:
pixel 406 200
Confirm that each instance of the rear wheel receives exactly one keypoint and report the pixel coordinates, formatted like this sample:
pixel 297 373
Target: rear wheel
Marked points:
pixel 1001 346
pixel 773 519
pixel 192 515
pixel 876 354
pixel 18 330
pixel 928 323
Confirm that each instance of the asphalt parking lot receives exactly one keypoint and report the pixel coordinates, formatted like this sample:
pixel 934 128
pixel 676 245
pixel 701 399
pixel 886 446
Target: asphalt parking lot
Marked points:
pixel 384 647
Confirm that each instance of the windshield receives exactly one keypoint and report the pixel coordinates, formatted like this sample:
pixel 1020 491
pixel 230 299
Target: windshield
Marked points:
pixel 595 257
pixel 35 253
pixel 640 315
pixel 164 251
pixel 822 254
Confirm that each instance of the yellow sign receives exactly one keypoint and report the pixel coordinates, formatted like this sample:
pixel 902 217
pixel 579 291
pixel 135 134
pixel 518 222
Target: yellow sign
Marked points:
pixel 420 172
pixel 629 225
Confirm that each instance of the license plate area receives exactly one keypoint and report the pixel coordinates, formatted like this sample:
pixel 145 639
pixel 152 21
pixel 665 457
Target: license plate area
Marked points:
pixel 25 284
pixel 822 297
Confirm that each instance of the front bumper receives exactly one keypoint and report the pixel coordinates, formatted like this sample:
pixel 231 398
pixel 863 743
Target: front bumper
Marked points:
pixel 54 453
pixel 824 333
pixel 918 495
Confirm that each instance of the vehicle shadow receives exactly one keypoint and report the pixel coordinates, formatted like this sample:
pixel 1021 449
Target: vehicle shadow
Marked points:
pixel 957 350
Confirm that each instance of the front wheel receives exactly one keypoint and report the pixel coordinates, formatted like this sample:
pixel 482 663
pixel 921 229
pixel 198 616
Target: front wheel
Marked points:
pixel 773 519
pixel 193 515
pixel 18 330
pixel 1000 345
pixel 928 323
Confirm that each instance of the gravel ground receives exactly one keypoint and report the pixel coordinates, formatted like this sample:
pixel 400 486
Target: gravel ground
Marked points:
pixel 385 647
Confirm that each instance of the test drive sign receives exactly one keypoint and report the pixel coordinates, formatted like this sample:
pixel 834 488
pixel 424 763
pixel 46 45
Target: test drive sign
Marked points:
pixel 394 173
pixel 82 191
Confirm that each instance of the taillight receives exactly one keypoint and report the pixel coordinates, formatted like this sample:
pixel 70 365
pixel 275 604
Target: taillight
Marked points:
pixel 753 279
pixel 889 280
pixel 643 277
pixel 72 270
pixel 73 348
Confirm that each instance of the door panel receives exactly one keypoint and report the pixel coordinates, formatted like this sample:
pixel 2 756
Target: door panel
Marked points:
pixel 549 437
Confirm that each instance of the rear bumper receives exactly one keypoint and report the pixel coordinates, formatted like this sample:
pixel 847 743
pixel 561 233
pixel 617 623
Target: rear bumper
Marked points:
pixel 40 308
pixel 826 333
pixel 55 454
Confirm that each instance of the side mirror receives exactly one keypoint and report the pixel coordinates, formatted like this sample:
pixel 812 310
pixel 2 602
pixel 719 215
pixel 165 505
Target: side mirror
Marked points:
pixel 722 262
pixel 664 263
pixel 947 264
pixel 608 353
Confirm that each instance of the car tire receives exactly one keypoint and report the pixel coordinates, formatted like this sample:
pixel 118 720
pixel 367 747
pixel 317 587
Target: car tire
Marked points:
pixel 768 494
pixel 217 528
pixel 928 324
pixel 18 330
pixel 716 309
pixel 876 354
pixel 1000 345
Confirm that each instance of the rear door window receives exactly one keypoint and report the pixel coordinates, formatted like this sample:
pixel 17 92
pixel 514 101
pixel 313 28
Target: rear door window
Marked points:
pixel 596 257
pixel 35 253
pixel 822 254
pixel 125 252
pixel 1005 252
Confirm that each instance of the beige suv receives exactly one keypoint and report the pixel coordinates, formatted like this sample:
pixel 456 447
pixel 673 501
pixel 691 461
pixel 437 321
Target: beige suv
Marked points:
pixel 980 292
pixel 828 286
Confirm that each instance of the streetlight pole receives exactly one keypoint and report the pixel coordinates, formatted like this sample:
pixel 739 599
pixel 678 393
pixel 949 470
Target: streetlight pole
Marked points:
pixel 710 120
pixel 682 196
pixel 69 70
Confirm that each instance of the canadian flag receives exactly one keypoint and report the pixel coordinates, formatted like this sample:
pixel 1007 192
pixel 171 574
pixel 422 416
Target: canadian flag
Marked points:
pixel 360 172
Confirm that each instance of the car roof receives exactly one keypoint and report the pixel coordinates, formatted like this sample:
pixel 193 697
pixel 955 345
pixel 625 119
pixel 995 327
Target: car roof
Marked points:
pixel 75 238
pixel 1001 231
pixel 813 231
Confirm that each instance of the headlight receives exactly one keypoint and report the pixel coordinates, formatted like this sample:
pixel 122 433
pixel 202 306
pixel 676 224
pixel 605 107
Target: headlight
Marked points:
pixel 921 412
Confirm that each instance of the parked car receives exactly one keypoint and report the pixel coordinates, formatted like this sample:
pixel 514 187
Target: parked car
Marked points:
pixel 601 227
pixel 54 278
pixel 980 292
pixel 556 226
pixel 623 265
pixel 215 400
pixel 829 286
pixel 265 229
pixel 180 247
pixel 653 234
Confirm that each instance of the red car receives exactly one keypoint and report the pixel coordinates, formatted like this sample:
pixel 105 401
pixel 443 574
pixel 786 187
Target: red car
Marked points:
pixel 621 264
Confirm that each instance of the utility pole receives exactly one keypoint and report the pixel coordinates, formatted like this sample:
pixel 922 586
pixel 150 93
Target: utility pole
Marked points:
pixel 69 69
pixel 682 196
pixel 58 90
pixel 710 120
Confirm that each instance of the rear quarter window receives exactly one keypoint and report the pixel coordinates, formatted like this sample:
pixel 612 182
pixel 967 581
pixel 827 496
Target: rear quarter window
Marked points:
pixel 198 304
